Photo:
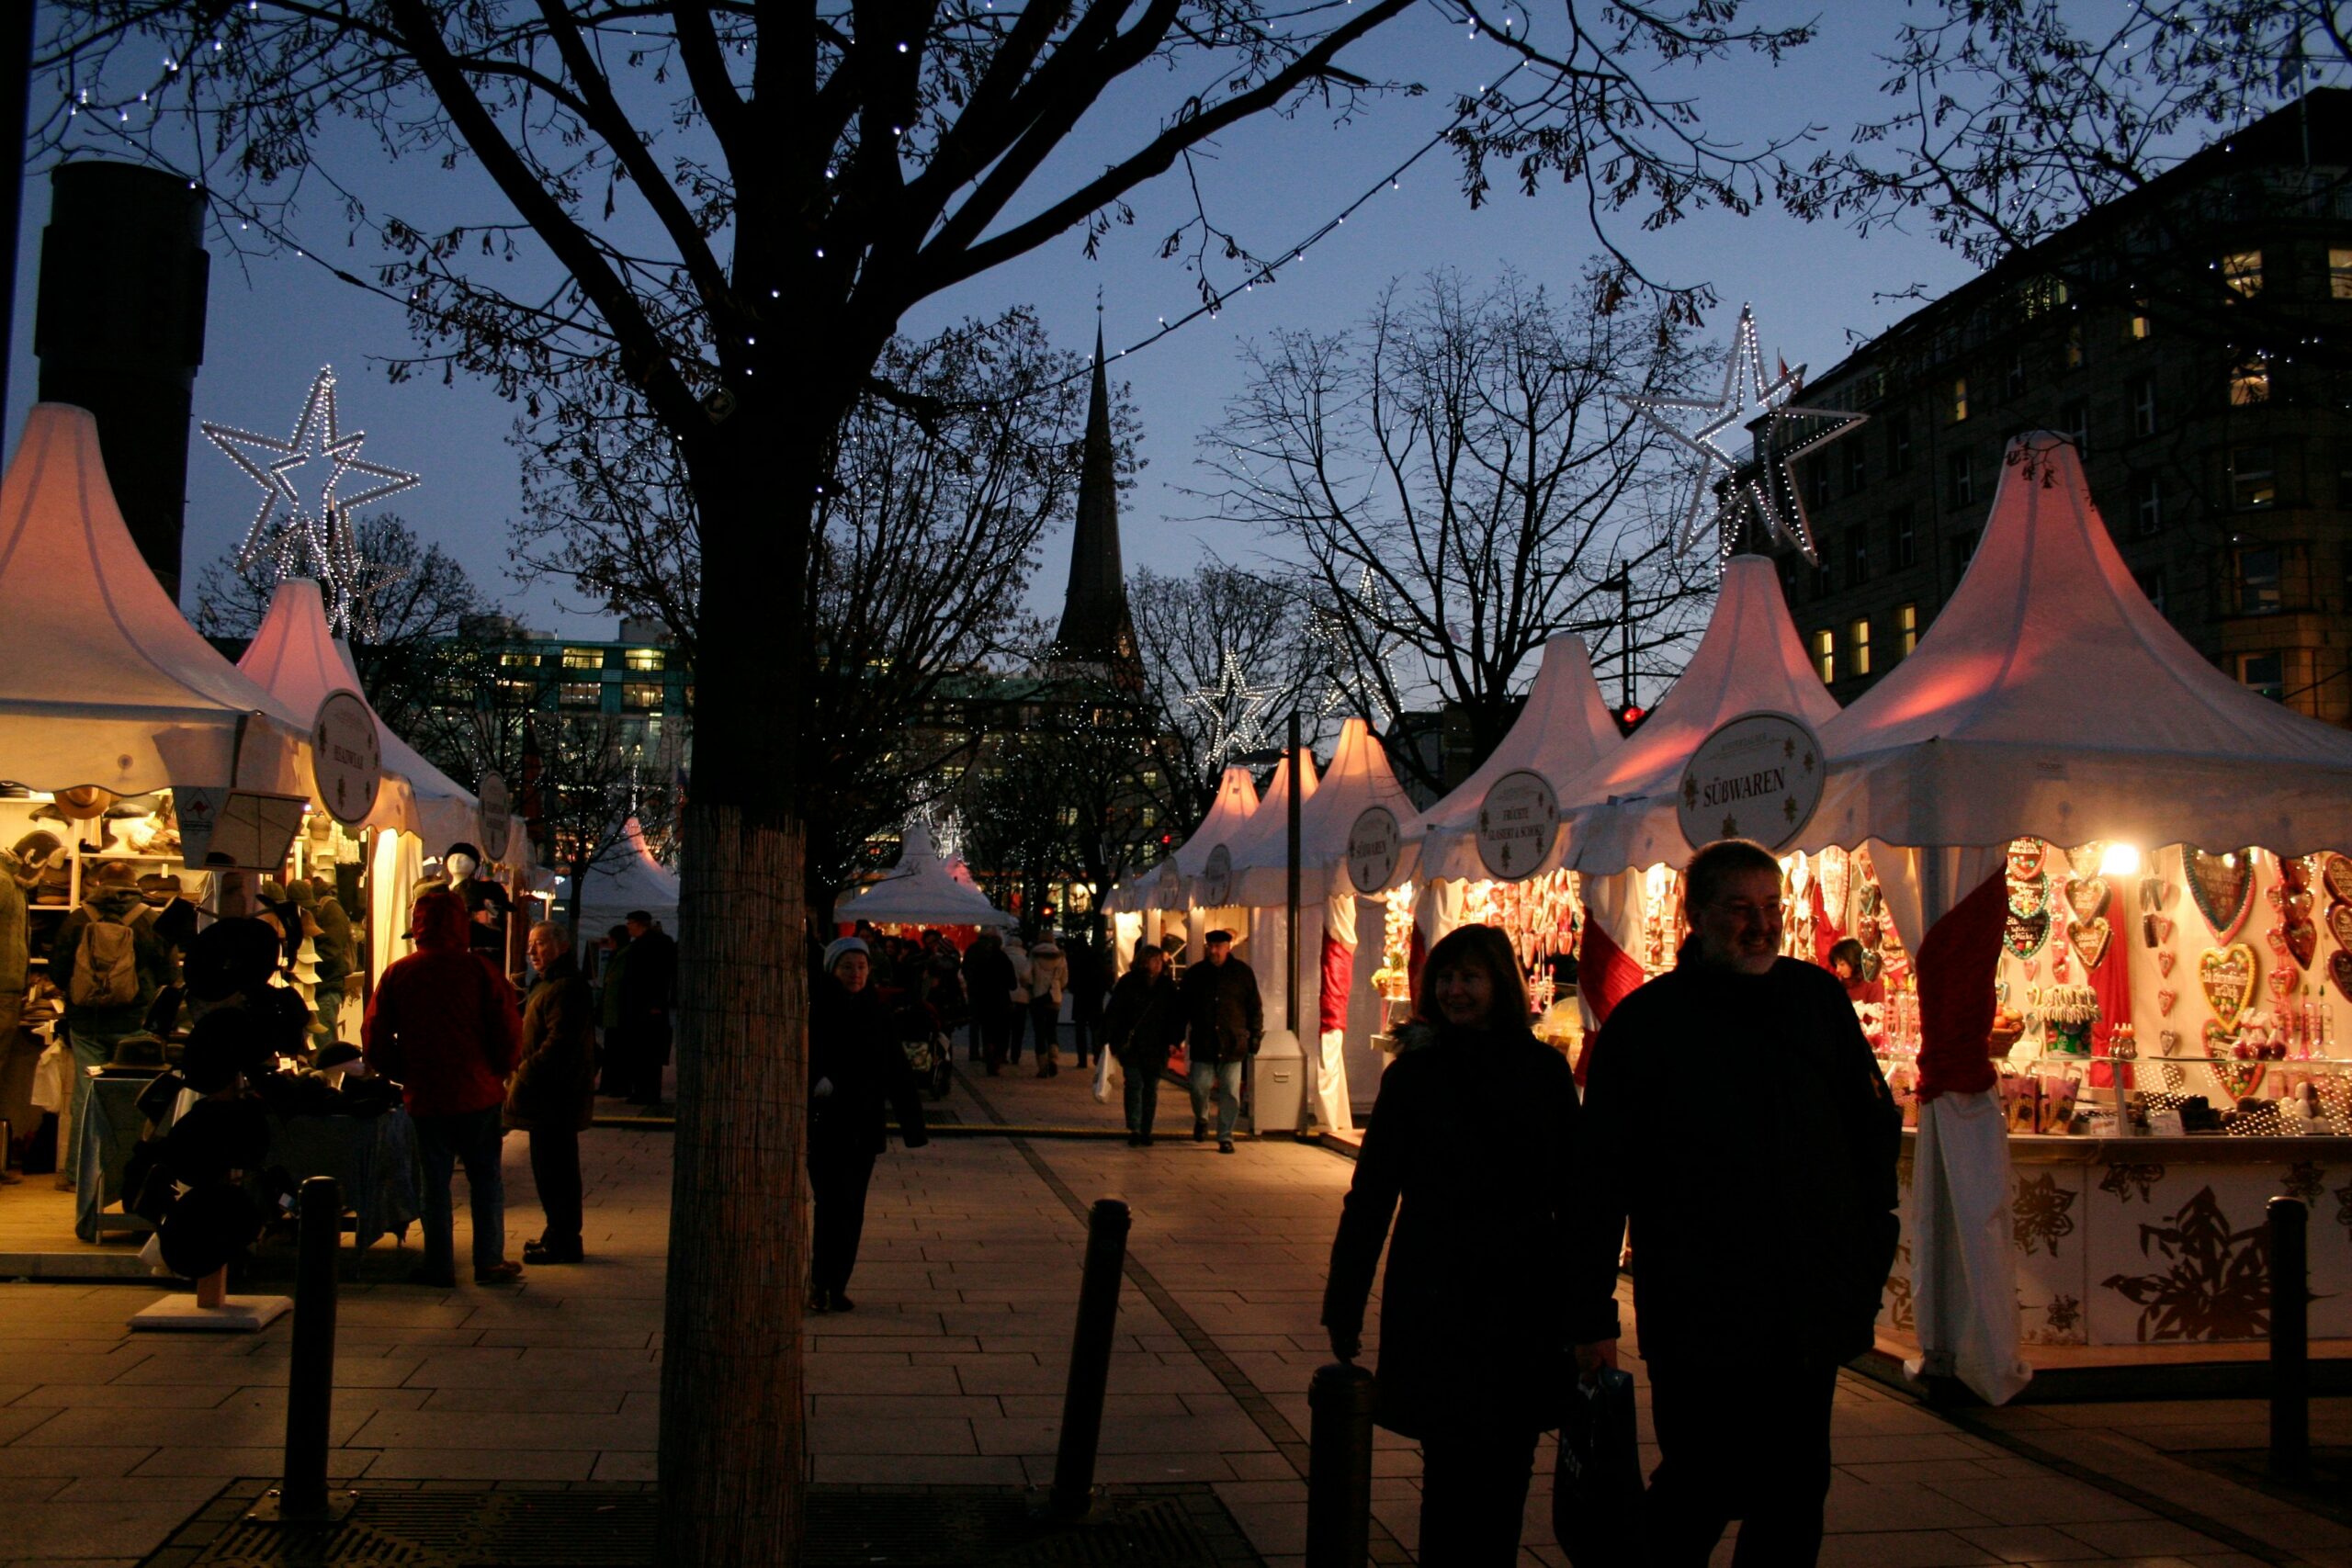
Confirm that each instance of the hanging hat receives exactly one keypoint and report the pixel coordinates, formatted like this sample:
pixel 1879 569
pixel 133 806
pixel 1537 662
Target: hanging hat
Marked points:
pixel 84 802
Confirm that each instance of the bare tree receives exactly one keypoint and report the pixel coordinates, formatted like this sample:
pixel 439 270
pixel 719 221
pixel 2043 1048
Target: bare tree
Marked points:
pixel 1465 478
pixel 1227 663
pixel 732 234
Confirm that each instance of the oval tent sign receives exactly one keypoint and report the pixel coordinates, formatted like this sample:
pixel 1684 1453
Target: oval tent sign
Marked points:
pixel 346 761
pixel 497 819
pixel 1374 844
pixel 1759 776
pixel 1216 878
pixel 1518 822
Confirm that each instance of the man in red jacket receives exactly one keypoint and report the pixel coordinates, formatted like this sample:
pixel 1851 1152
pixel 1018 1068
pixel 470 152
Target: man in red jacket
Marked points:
pixel 443 1025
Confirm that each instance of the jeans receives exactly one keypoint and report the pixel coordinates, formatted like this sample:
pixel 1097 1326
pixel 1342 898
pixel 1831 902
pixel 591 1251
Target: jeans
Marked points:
pixel 88 1049
pixel 1139 1070
pixel 1473 1498
pixel 472 1140
pixel 554 1171
pixel 1203 1077
pixel 1748 1443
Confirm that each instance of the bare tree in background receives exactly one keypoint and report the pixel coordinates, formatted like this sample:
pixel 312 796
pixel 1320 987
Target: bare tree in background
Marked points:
pixel 1227 660
pixel 1465 478
pixel 417 657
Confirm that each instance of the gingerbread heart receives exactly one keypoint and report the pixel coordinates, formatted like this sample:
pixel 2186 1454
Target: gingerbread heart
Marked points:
pixel 2221 886
pixel 2164 1000
pixel 2170 1040
pixel 2302 942
pixel 2090 939
pixel 2087 897
pixel 2163 928
pixel 2339 972
pixel 2083 859
pixel 2282 981
pixel 2227 976
pixel 2339 924
pixel 2033 967
pixel 2156 894
pixel 2164 960
pixel 2335 873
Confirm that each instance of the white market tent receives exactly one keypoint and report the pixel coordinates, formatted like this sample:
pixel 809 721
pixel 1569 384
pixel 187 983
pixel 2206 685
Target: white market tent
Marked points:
pixel 447 811
pixel 921 890
pixel 293 656
pixel 1563 730
pixel 1358 779
pixel 1168 886
pixel 101 680
pixel 2048 698
pixel 626 877
pixel 1247 843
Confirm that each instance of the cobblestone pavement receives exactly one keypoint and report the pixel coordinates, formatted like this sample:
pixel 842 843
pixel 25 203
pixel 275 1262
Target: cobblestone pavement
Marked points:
pixel 951 1368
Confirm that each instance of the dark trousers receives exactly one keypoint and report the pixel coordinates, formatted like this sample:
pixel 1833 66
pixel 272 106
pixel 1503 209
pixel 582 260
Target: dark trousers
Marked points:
pixel 1016 1024
pixel 554 1171
pixel 1139 1074
pixel 840 1168
pixel 445 1142
pixel 1473 1497
pixel 648 1039
pixel 995 1026
pixel 1083 1011
pixel 1750 1443
pixel 1045 1018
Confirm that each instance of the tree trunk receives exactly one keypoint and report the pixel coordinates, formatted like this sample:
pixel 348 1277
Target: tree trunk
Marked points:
pixel 733 1452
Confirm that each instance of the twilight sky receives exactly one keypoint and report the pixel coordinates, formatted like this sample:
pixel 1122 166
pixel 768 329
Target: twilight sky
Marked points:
pixel 273 324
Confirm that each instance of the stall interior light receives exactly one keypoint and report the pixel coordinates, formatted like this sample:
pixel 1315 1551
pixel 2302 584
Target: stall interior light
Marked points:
pixel 2119 859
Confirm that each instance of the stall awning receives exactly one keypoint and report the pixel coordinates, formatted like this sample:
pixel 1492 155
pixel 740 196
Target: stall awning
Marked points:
pixel 920 890
pixel 1563 730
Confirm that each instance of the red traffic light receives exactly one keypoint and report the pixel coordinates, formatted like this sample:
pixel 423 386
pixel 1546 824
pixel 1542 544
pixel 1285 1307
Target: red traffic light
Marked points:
pixel 1629 717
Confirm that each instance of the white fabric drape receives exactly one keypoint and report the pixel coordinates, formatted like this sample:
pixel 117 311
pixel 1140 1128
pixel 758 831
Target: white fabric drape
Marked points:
pixel 1328 1080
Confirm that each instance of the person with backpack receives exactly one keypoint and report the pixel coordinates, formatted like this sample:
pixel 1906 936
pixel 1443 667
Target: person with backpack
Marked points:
pixel 445 1026
pixel 108 966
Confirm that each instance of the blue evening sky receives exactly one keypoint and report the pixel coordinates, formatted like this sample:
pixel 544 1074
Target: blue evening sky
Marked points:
pixel 274 322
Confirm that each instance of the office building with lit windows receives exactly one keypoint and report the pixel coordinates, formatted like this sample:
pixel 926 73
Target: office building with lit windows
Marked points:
pixel 2194 339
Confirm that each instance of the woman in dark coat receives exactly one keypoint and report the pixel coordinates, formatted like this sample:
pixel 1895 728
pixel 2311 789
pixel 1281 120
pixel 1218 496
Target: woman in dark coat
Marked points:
pixel 1143 1023
pixel 1472 1131
pixel 856 1069
pixel 552 1094
pixel 988 979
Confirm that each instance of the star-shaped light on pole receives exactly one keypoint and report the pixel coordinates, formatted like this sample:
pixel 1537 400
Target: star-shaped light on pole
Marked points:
pixel 1233 707
pixel 315 535
pixel 1791 431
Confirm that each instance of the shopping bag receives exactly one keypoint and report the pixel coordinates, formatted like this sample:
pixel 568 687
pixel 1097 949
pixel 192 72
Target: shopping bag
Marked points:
pixel 1596 1482
pixel 1103 1078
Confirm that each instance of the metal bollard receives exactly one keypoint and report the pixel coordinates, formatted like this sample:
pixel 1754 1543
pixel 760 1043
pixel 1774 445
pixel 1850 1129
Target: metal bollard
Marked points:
pixel 310 1385
pixel 1338 1467
pixel 2290 1367
pixel 1090 1356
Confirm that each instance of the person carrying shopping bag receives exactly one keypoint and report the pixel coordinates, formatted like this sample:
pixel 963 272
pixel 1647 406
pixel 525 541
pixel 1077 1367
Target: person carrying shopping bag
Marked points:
pixel 1143 1022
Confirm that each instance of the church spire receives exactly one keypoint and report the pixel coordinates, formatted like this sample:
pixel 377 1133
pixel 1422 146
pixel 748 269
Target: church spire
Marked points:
pixel 1096 629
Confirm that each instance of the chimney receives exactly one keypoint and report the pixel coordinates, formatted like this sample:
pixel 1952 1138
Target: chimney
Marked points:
pixel 119 330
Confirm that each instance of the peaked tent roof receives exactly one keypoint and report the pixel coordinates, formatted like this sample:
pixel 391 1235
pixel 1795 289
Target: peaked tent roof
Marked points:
pixel 1358 779
pixel 2050 698
pixel 1563 730
pixel 627 877
pixel 1267 826
pixel 920 891
pixel 1168 885
pixel 101 680
pixel 1621 810
pixel 293 656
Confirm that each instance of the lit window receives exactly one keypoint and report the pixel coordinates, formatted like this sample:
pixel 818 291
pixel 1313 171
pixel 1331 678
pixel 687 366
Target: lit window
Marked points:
pixel 581 695
pixel 1858 657
pixel 646 659
pixel 2254 477
pixel 1825 655
pixel 2250 382
pixel 2148 505
pixel 2242 273
pixel 2139 328
pixel 2143 407
pixel 1150 818
pixel 641 695
pixel 1960 400
pixel 1960 480
pixel 2339 274
pixel 1907 627
pixel 518 660
pixel 1067 816
pixel 2258 589
pixel 584 659
pixel 2264 674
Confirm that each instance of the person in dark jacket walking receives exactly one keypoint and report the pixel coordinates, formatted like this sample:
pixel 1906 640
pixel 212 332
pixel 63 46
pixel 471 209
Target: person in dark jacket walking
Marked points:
pixel 1143 1023
pixel 856 1068
pixel 1748 1289
pixel 1224 1022
pixel 552 1095
pixel 649 990
pixel 1090 980
pixel 442 1026
pixel 988 979
pixel 1474 1134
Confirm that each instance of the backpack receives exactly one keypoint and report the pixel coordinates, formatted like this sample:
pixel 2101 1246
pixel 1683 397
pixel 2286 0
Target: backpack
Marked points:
pixel 105 966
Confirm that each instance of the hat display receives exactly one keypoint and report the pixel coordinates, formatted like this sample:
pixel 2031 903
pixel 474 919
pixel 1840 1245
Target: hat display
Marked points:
pixel 207 1228
pixel 83 803
pixel 158 888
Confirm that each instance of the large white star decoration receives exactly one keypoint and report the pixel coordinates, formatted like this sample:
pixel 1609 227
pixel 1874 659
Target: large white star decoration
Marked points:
pixel 1234 709
pixel 1791 431
pixel 1328 629
pixel 314 537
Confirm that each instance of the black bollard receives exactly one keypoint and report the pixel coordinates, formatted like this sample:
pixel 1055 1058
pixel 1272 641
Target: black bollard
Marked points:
pixel 2290 1367
pixel 310 1385
pixel 1338 1467
pixel 1090 1356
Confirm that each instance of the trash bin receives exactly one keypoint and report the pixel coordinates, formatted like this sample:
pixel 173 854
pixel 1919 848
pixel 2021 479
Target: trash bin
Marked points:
pixel 1278 1085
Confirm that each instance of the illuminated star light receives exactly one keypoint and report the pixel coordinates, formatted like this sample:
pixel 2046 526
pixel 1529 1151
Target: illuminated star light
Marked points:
pixel 1234 708
pixel 354 585
pixel 1793 431
pixel 1327 627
